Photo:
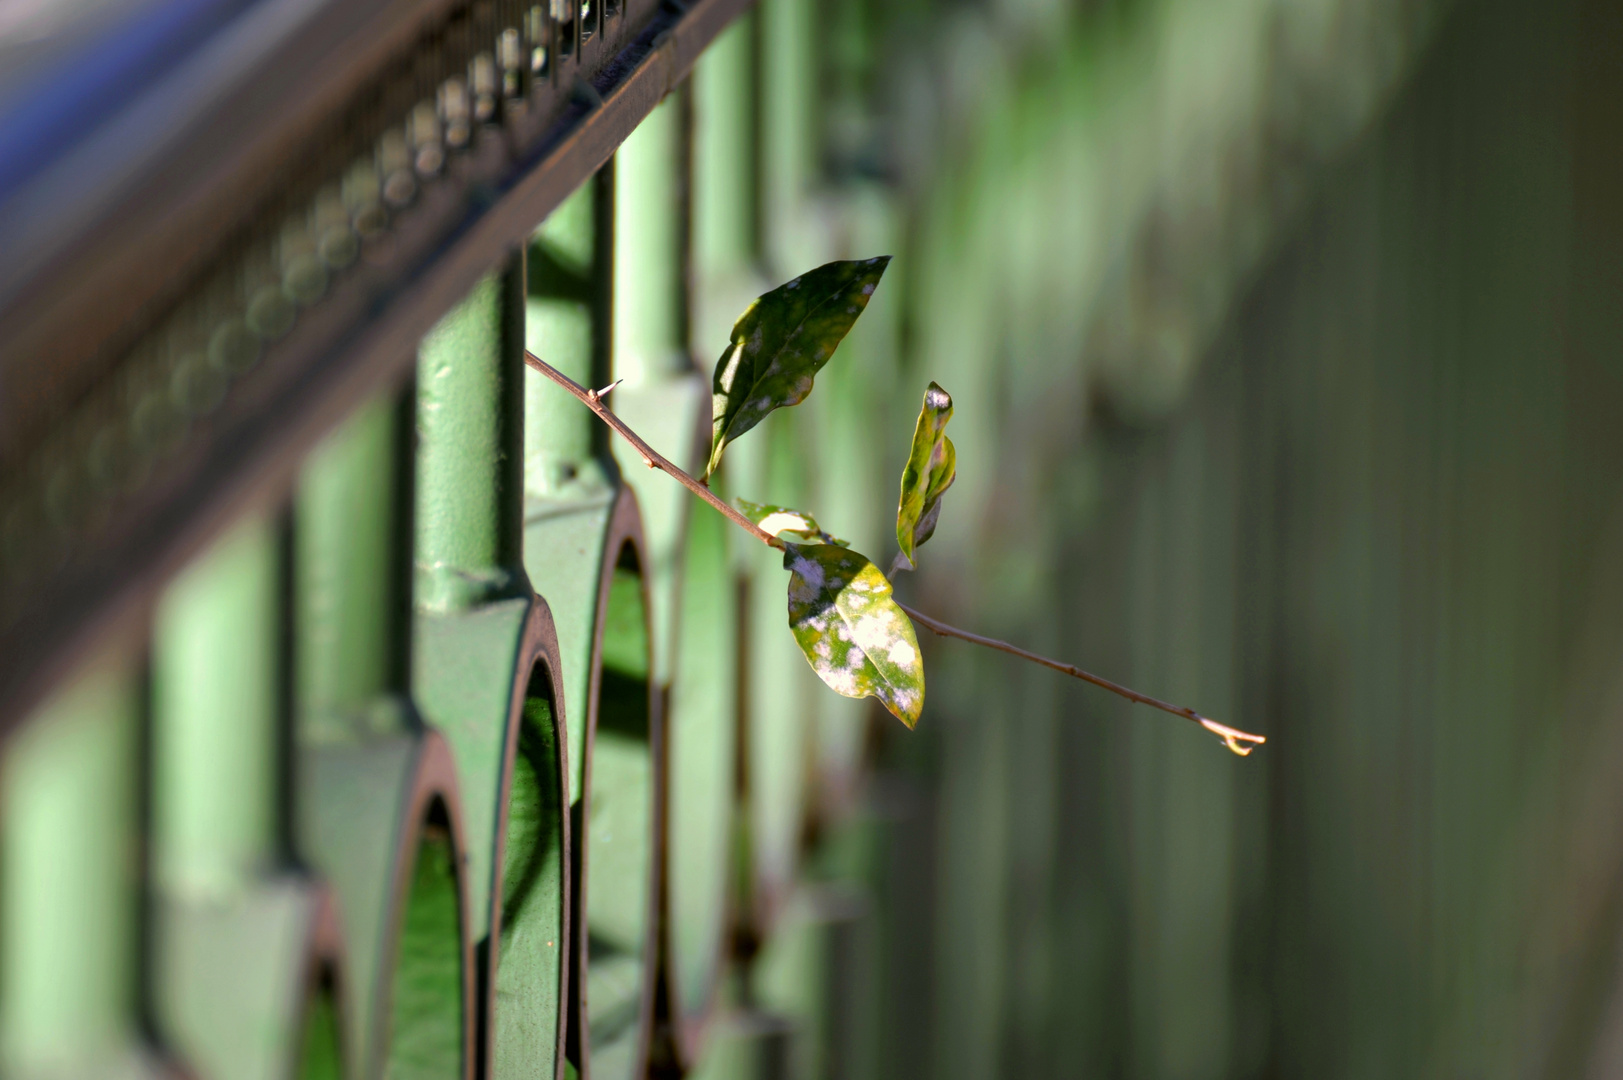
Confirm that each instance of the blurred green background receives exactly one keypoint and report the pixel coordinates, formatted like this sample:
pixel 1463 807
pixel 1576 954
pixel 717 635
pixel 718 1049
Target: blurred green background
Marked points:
pixel 1285 343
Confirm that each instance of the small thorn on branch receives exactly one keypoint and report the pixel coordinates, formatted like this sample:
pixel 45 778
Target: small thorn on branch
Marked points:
pixel 599 395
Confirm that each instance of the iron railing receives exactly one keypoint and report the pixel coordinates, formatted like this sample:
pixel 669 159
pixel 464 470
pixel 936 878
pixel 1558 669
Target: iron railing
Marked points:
pixel 364 716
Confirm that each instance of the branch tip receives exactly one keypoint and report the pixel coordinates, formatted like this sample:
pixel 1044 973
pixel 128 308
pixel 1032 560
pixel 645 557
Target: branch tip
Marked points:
pixel 1233 738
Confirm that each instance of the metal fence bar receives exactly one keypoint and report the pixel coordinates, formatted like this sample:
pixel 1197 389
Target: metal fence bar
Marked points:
pixel 70 894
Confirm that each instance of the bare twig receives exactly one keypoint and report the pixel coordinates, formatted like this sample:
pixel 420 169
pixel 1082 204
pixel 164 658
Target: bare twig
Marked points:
pixel 1233 738
pixel 651 457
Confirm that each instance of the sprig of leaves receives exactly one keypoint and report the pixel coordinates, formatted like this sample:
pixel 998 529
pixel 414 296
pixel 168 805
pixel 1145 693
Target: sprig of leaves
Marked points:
pixel 781 342
pixel 857 637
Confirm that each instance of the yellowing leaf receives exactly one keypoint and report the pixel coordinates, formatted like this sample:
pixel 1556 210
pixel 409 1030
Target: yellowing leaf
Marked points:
pixel 932 466
pixel 780 344
pixel 778 520
pixel 854 635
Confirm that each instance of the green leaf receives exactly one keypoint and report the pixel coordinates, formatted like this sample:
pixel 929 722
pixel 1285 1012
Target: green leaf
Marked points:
pixel 780 344
pixel 856 637
pixel 932 466
pixel 778 520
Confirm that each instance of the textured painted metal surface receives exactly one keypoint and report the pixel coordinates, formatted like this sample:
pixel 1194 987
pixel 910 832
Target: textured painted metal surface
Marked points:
pixel 469 468
pixel 487 668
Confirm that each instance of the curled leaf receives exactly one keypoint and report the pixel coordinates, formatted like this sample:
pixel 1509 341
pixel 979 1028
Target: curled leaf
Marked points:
pixel 932 466
pixel 780 344
pixel 778 520
pixel 854 634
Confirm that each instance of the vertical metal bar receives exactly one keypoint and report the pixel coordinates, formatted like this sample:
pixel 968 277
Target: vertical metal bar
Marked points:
pixel 233 940
pixel 568 323
pixel 69 891
pixel 603 209
pixel 470 426
pixel 663 397
pixel 346 549
pixel 789 135
pixel 567 464
pixel 577 509
pixel 216 753
pixel 648 285
pixel 558 435
pixel 727 202
pixel 726 194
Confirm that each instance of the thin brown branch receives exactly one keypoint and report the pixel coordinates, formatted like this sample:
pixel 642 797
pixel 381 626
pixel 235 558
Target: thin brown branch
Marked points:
pixel 651 457
pixel 1233 738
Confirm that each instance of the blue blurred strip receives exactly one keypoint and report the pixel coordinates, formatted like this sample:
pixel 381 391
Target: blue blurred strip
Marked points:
pixel 62 105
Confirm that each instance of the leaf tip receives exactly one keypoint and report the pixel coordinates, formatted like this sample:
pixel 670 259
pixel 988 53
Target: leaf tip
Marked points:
pixel 907 708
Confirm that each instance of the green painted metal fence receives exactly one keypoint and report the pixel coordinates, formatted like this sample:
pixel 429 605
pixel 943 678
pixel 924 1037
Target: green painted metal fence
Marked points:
pixel 440 760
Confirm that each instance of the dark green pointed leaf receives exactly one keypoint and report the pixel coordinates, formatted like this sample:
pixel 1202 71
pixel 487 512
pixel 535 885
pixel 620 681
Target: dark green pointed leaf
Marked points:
pixel 778 520
pixel 855 636
pixel 932 466
pixel 782 342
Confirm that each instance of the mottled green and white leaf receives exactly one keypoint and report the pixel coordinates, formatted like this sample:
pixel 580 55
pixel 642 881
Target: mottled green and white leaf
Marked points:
pixel 780 344
pixel 854 634
pixel 932 466
pixel 778 520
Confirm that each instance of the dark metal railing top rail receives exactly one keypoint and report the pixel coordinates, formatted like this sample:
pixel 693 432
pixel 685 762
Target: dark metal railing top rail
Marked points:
pixel 187 308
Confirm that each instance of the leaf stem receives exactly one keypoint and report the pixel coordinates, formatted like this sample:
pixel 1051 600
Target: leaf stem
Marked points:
pixel 651 457
pixel 1233 738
